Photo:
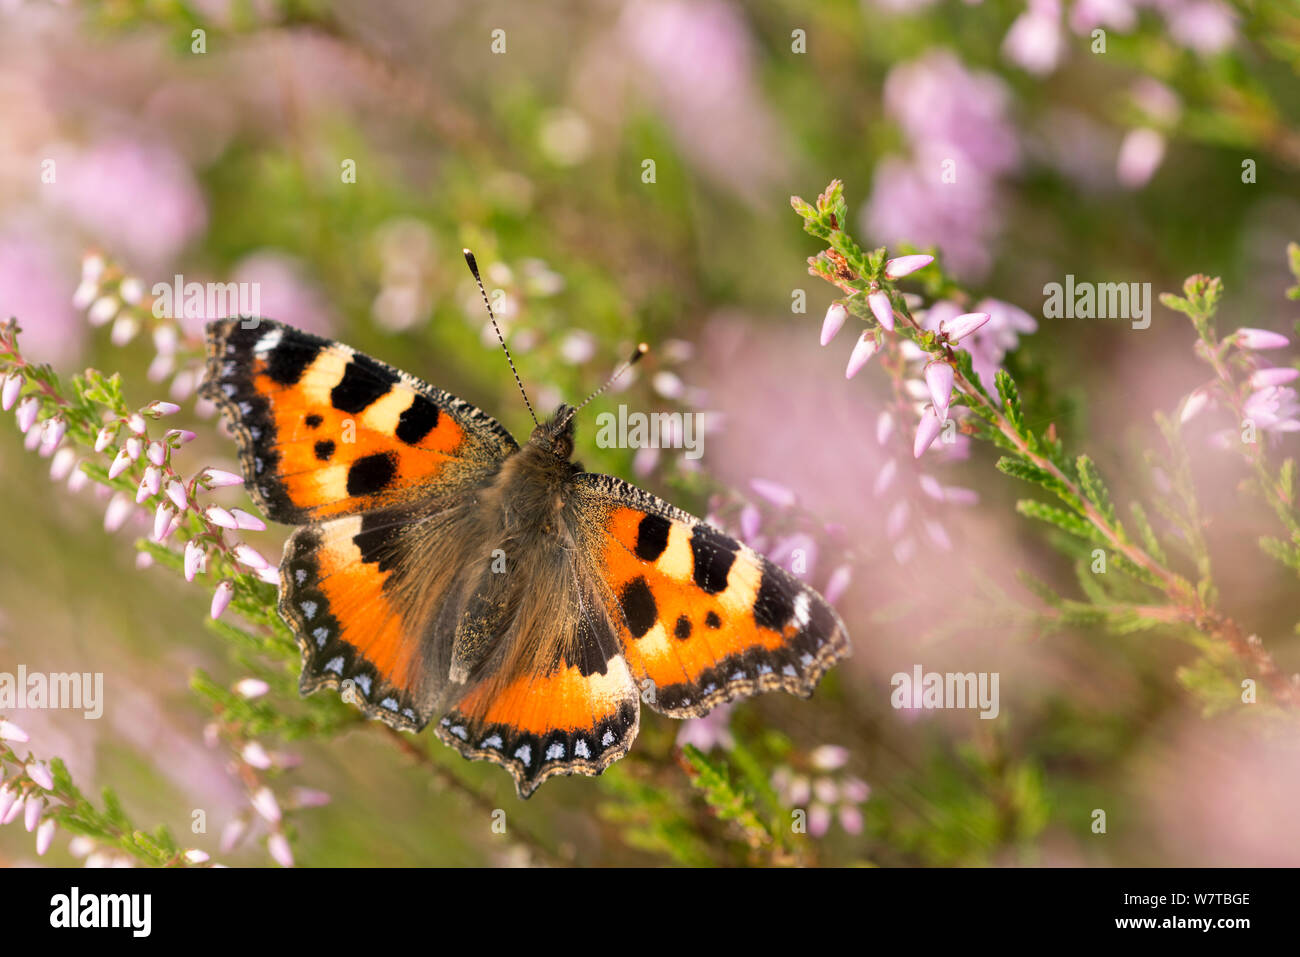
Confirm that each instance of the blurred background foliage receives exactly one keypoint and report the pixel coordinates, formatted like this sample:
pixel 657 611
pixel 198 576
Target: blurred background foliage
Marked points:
pixel 220 155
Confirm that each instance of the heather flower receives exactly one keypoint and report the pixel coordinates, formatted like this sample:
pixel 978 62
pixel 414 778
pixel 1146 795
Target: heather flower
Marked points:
pixel 219 516
pixel 162 520
pixel 249 556
pixel 247 521
pixel 1261 378
pixel 774 492
pixel 1034 41
pixel 926 432
pixel 13 385
pixel 221 599
pixel 40 774
pixel 27 412
pixel 254 755
pixel 1193 405
pixel 311 797
pixel 232 834
pixel 962 326
pixel 829 757
pixel 44 836
pixel 1274 409
pixel 32 810
pixel 118 511
pixel 834 321
pixel 195 856
pixel 863 350
pixel 65 460
pixel 1248 338
pixel 837 584
pixel 251 688
pixel 194 559
pixel 882 309
pixel 219 478
pixel 105 437
pixel 265 804
pixel 939 380
pixel 905 266
pixel 278 847
pixel 1140 155
pixel 176 492
pixel 9 799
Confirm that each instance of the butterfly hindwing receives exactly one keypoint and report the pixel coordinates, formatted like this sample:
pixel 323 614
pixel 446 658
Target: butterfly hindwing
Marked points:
pixel 325 431
pixel 703 619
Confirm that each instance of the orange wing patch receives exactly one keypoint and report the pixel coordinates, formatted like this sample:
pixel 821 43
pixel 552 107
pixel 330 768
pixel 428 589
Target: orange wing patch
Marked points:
pixel 352 636
pixel 700 615
pixel 326 431
pixel 570 721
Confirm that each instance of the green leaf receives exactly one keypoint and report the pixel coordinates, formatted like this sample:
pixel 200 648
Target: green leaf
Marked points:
pixel 1096 490
pixel 1068 521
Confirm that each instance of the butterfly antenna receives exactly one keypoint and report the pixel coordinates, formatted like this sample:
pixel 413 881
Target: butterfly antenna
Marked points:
pixel 640 352
pixel 473 267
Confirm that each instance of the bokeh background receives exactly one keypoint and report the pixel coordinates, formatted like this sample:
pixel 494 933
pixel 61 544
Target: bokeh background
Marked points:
pixel 1117 166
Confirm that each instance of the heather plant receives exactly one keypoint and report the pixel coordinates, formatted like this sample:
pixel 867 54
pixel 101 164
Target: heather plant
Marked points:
pixel 1102 513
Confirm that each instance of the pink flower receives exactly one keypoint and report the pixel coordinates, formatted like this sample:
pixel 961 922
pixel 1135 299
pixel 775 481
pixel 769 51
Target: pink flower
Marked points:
pixel 1034 41
pixel 939 378
pixel 277 845
pixel 40 774
pixel 246 520
pixel 27 412
pixel 963 325
pixel 838 584
pixel 906 265
pixel 863 350
pixel 251 557
pixel 195 856
pixel 1193 405
pixel 251 688
pixel 219 516
pixel 265 804
pixel 13 385
pixel 254 755
pixel 774 492
pixel 44 836
pixel 219 478
pixel 176 492
pixel 882 309
pixel 32 812
pixel 1140 155
pixel 1248 338
pixel 926 432
pixel 221 599
pixel 162 520
pixel 834 320
pixel 1261 378
pixel 194 560
pixel 118 511
pixel 11 732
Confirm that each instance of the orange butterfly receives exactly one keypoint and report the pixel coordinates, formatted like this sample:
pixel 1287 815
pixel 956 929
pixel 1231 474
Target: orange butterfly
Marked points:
pixel 445 572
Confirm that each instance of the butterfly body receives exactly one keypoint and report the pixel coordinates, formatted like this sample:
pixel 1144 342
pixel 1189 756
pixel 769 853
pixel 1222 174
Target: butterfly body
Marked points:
pixel 440 571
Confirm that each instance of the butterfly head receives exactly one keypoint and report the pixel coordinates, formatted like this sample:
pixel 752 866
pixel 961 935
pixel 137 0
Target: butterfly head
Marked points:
pixel 555 435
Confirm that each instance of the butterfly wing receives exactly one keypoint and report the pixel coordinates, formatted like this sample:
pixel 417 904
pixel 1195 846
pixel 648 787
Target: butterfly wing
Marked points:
pixel 558 697
pixel 325 431
pixel 701 618
pixel 377 467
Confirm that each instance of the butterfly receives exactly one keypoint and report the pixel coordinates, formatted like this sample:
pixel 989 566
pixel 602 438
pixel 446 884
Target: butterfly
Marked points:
pixel 441 571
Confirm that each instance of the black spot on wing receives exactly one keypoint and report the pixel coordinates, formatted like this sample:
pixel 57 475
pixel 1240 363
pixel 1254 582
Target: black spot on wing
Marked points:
pixel 290 358
pixel 370 474
pixel 325 450
pixel 639 608
pixel 378 539
pixel 652 537
pixel 774 604
pixel 420 418
pixel 364 380
pixel 682 630
pixel 712 620
pixel 313 421
pixel 713 555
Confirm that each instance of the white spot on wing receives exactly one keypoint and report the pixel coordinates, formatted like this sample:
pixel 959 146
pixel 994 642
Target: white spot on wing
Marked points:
pixel 802 610
pixel 524 753
pixel 267 342
pixel 555 751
